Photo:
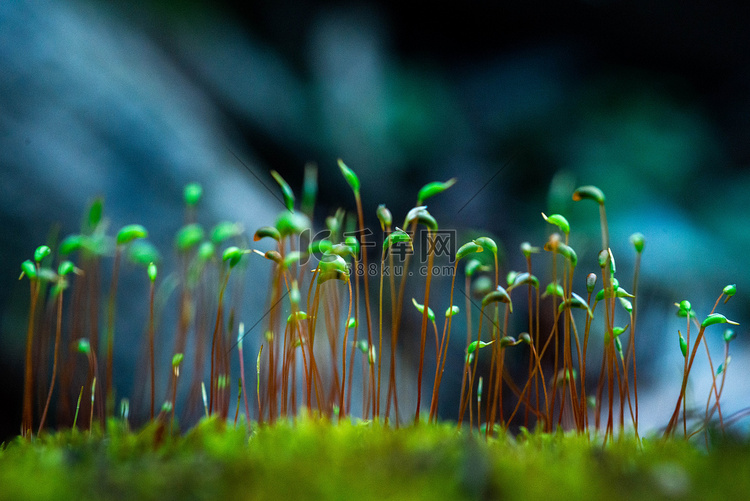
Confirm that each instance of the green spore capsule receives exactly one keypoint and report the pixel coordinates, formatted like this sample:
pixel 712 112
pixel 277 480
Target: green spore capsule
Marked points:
pixel 151 270
pixel 468 248
pixel 143 252
pixel 638 241
pixel 487 243
pixel 188 237
pixel 473 346
pixel 420 308
pixel 589 192
pixel 349 175
pixel 498 295
pixel 192 194
pixel 225 230
pixel 384 216
pixel 433 188
pixel 559 221
pixel 717 318
pixel 130 232
pixel 28 269
pixel 41 252
pixel 729 335
pixel 286 190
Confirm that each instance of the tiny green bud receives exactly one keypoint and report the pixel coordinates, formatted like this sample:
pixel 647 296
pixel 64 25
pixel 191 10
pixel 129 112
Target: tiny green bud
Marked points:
pixel 350 176
pixel 511 277
pixel 233 255
pixel 589 192
pixel 729 335
pixel 274 256
pixel 352 242
pixel 296 316
pixel 498 295
pixel 717 318
pixel 70 244
pixel 352 323
pixel 188 236
pixel 192 194
pixel 575 301
pixel 420 215
pixel 41 252
pixel 487 243
pixel 553 289
pixel 84 346
pixel 294 295
pixel 471 267
pixel 151 270
pixel 130 232
pixel 524 337
pixel 729 291
pixel 477 344
pixel 626 304
pixel 420 308
pixel 65 268
pixel 432 189
pixel 384 216
pixel 453 310
pixel 685 305
pixel 95 212
pixel 166 407
pixel 143 252
pixel 603 258
pixel 528 250
pixel 286 190
pixel 291 258
pixel 559 221
pixel 320 247
pixel 482 286
pixel 396 237
pixel 524 278
pixel 618 346
pixel 206 251
pixel 683 345
pixel 617 331
pixel 177 359
pixel 506 341
pixel 590 282
pixel 468 248
pixel 292 223
pixel 638 241
pixel 225 230
pixel 28 269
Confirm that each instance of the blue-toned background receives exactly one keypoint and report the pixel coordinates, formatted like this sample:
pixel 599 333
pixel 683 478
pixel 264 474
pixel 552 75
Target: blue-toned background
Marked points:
pixel 520 101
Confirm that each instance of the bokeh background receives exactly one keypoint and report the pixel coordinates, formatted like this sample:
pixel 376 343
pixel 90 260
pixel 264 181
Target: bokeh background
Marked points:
pixel 521 101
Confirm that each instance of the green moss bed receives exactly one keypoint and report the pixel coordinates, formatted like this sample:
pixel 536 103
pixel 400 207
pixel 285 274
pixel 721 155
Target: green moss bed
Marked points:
pixel 317 460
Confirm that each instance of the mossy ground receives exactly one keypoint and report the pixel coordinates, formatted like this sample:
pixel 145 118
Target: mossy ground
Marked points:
pixel 318 460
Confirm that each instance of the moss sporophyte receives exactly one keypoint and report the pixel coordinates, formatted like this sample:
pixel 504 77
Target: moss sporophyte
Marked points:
pixel 313 295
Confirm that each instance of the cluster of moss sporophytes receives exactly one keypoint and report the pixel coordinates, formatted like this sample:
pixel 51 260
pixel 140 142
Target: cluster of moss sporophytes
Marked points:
pixel 314 296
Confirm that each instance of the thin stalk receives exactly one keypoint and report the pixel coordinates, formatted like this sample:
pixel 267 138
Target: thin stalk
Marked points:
pixel 110 398
pixel 28 413
pixel 443 353
pixel 54 359
pixel 151 336
pixel 217 325
pixel 363 248
pixel 343 355
pixel 423 334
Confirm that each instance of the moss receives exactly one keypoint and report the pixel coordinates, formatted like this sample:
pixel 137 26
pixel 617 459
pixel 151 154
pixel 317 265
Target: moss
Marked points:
pixel 313 459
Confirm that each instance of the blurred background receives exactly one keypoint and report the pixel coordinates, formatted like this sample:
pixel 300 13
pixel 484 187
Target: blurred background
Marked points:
pixel 520 101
